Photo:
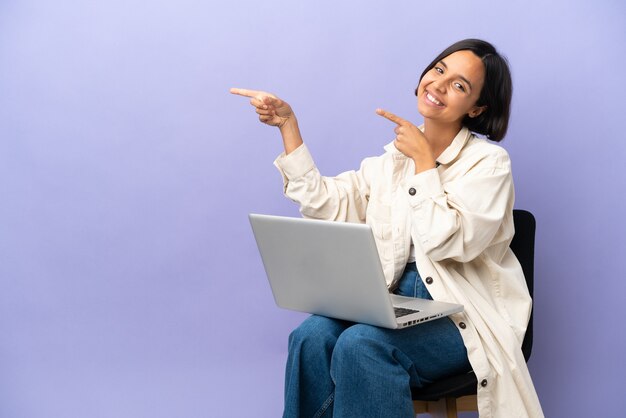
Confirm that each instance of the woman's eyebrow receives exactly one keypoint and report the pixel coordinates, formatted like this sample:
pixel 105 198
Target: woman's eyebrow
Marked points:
pixel 460 76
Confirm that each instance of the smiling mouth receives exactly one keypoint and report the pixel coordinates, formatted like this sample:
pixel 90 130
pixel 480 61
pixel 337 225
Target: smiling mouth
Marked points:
pixel 433 99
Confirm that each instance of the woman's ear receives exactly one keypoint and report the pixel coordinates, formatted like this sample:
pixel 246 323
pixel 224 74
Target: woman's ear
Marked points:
pixel 477 110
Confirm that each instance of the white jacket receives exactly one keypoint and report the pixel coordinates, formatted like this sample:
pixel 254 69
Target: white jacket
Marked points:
pixel 459 217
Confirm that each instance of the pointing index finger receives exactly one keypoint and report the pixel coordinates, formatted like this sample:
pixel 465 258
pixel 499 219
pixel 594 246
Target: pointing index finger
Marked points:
pixel 245 92
pixel 388 115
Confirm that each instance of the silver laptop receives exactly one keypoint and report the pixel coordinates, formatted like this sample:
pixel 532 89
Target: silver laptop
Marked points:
pixel 333 269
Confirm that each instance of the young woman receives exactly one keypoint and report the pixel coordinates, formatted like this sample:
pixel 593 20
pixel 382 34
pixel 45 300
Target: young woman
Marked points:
pixel 440 203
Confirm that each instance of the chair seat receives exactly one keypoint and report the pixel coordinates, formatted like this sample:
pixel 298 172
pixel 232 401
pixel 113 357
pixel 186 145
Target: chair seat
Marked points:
pixel 450 387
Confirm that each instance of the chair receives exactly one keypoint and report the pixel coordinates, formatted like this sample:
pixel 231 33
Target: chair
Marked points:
pixel 445 397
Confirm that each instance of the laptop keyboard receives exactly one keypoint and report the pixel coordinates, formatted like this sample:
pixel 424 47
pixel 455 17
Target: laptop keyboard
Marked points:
pixel 403 311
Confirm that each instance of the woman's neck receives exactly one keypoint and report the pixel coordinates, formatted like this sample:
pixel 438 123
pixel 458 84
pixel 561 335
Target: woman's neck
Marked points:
pixel 440 135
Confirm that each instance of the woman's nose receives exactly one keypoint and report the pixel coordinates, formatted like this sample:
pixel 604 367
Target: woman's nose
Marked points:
pixel 439 85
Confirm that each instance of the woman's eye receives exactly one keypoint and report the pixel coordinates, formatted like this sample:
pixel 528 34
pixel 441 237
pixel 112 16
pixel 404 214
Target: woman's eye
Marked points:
pixel 439 70
pixel 459 86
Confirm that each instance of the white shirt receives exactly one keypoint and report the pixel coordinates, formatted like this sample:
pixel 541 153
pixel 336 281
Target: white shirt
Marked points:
pixel 459 218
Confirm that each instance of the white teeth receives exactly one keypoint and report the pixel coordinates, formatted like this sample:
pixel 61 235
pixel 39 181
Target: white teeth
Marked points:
pixel 432 99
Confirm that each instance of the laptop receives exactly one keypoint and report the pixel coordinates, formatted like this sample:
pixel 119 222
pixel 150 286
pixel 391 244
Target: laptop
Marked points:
pixel 333 269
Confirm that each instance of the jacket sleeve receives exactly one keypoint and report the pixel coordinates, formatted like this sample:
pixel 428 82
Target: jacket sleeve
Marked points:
pixel 460 219
pixel 340 198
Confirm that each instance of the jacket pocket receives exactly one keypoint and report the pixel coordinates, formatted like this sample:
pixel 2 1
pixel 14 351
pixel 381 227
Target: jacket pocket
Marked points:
pixel 378 217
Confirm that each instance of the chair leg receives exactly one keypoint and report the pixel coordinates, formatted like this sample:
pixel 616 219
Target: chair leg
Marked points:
pixel 443 408
pixel 467 403
pixel 420 407
pixel 451 407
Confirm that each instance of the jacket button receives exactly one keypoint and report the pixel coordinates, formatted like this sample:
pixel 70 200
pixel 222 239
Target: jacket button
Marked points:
pixel 429 280
pixel 463 326
pixel 483 382
pixel 412 191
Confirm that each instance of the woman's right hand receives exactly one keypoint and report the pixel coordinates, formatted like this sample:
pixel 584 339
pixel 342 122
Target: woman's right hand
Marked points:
pixel 271 110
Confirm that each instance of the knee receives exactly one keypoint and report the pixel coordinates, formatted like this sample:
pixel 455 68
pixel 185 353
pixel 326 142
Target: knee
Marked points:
pixel 315 332
pixel 359 351
pixel 358 342
pixel 366 352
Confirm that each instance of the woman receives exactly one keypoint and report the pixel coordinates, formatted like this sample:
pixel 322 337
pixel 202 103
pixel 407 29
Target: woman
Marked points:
pixel 440 203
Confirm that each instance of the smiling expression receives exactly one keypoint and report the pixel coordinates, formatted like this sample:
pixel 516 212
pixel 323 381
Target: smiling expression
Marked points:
pixel 449 91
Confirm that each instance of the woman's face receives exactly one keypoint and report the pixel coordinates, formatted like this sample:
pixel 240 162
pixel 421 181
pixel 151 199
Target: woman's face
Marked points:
pixel 450 89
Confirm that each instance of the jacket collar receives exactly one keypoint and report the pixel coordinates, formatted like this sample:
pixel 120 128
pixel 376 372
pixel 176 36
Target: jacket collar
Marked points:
pixel 448 155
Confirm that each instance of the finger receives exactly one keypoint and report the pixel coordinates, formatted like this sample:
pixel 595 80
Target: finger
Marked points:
pixel 391 117
pixel 258 103
pixel 271 101
pixel 264 111
pixel 400 145
pixel 246 93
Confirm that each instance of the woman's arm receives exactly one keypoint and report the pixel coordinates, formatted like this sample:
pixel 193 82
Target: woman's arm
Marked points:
pixel 341 198
pixel 460 219
pixel 275 112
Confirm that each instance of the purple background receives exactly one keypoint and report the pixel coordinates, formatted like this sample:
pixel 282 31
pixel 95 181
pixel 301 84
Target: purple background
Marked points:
pixel 127 172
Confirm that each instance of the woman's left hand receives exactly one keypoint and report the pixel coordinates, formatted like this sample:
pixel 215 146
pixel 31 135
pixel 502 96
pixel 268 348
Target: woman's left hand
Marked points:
pixel 411 142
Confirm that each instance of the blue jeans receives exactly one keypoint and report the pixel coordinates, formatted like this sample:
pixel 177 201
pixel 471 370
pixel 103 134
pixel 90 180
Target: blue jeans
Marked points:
pixel 341 369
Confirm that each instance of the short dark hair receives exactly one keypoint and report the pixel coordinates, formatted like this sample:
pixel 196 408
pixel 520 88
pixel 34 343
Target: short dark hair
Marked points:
pixel 496 92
